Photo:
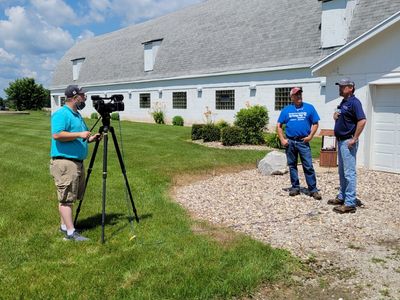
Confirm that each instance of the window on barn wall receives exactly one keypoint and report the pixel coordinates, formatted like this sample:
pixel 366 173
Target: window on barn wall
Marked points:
pixel 144 100
pixel 62 101
pixel 76 67
pixel 225 100
pixel 282 97
pixel 179 100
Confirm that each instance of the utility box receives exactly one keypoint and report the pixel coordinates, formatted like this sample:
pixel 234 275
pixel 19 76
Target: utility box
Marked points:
pixel 328 155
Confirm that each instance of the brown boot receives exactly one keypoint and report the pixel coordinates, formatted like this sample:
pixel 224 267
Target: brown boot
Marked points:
pixel 335 201
pixel 343 209
pixel 316 195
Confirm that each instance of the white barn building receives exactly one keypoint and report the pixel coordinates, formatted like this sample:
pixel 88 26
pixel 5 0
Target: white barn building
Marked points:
pixel 221 55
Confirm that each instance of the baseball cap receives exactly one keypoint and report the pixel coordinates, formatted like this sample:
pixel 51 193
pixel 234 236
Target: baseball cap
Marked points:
pixel 345 81
pixel 73 90
pixel 295 90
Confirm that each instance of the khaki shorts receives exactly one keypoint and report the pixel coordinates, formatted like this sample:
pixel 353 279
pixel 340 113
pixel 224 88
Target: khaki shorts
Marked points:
pixel 69 177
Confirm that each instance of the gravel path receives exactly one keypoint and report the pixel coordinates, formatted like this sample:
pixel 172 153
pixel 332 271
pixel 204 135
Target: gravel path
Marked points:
pixel 364 247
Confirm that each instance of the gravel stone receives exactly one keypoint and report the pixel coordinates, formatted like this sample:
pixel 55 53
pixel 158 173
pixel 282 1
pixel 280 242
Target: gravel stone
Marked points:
pixel 366 242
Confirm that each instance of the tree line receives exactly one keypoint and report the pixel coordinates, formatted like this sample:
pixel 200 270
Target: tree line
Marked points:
pixel 26 94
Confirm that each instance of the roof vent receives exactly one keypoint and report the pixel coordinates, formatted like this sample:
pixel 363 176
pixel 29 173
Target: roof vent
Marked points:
pixel 335 21
pixel 76 67
pixel 150 53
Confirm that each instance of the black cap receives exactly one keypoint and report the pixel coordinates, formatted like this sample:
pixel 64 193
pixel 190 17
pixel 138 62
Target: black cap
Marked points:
pixel 73 90
pixel 345 81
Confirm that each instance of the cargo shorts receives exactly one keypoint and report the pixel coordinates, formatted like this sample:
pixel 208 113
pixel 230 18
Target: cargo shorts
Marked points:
pixel 69 178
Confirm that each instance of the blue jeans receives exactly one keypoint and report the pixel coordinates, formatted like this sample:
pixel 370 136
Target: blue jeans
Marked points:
pixel 292 151
pixel 347 173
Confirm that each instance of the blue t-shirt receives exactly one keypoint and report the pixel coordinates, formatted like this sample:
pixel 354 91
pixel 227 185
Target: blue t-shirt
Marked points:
pixel 65 119
pixel 351 112
pixel 298 120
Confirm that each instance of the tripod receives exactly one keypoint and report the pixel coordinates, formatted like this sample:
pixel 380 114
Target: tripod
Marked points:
pixel 105 129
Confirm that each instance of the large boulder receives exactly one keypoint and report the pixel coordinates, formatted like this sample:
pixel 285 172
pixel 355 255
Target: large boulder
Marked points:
pixel 274 163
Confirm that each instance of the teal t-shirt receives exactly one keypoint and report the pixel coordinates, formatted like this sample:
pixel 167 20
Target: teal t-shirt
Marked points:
pixel 65 119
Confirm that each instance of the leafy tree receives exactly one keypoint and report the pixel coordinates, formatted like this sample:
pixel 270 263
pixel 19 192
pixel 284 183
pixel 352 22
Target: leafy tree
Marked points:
pixel 25 94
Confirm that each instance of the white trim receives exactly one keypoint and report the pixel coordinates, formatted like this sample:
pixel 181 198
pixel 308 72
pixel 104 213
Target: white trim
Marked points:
pixel 208 86
pixel 356 42
pixel 270 69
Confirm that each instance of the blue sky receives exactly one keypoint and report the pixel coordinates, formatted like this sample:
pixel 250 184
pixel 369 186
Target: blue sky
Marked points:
pixel 34 34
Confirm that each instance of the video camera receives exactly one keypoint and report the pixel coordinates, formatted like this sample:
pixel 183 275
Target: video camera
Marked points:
pixel 115 104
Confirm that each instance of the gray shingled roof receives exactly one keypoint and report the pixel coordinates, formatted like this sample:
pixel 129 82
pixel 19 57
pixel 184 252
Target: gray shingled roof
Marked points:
pixel 369 13
pixel 210 37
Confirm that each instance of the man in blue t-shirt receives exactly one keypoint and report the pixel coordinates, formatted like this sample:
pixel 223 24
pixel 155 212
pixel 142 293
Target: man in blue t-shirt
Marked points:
pixel 301 120
pixel 349 123
pixel 69 140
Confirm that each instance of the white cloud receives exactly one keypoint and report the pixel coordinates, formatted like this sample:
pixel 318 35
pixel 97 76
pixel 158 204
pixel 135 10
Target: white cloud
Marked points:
pixel 6 57
pixel 86 34
pixel 98 10
pixel 29 33
pixel 55 12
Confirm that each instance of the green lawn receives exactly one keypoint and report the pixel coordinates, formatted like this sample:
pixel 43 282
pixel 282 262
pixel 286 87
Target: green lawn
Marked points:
pixel 166 260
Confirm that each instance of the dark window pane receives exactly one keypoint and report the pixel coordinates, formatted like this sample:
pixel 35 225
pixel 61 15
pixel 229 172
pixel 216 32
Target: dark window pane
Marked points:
pixel 225 100
pixel 144 100
pixel 179 100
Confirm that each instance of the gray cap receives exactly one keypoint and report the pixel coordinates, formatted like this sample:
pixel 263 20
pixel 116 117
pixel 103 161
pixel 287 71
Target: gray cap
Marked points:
pixel 73 90
pixel 345 81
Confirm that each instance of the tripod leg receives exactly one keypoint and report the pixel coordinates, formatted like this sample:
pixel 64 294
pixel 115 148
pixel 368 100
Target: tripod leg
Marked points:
pixel 103 214
pixel 89 171
pixel 121 163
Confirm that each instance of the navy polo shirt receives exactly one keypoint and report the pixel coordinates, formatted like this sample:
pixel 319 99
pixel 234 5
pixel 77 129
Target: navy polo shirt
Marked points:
pixel 298 120
pixel 351 112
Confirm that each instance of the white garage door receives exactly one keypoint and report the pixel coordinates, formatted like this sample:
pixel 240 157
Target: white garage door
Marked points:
pixel 386 129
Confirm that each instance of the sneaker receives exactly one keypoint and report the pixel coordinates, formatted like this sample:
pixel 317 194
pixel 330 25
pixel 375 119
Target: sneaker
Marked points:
pixel 344 209
pixel 75 237
pixel 316 195
pixel 62 231
pixel 335 201
pixel 294 192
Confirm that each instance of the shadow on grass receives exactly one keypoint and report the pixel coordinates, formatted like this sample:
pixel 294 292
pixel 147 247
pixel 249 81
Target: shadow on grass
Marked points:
pixel 111 219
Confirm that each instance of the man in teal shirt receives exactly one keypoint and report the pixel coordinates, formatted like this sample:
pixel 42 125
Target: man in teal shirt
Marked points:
pixel 69 148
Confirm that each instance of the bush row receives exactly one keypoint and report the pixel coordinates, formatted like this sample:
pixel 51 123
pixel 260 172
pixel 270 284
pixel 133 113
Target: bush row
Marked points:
pixel 248 128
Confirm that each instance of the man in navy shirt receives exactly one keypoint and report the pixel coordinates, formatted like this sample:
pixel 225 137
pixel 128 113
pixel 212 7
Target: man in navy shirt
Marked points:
pixel 301 121
pixel 349 123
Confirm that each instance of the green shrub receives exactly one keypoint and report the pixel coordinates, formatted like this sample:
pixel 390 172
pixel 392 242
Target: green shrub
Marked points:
pixel 115 116
pixel 221 124
pixel 272 140
pixel 197 131
pixel 252 119
pixel 158 117
pixel 211 133
pixel 177 121
pixel 232 136
pixel 94 115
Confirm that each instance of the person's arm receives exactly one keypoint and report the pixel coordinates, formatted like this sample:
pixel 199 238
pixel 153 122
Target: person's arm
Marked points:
pixel 283 140
pixel 314 129
pixel 65 136
pixel 359 129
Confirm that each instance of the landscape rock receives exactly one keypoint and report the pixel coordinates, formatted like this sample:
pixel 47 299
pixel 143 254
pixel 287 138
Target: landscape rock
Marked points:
pixel 274 163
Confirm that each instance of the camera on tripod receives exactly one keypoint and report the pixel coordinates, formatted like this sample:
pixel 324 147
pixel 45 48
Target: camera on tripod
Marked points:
pixel 103 108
